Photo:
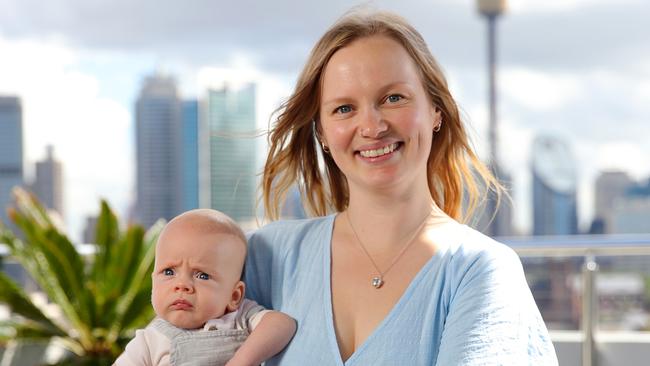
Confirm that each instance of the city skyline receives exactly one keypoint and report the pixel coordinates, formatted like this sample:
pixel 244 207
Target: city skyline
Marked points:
pixel 561 73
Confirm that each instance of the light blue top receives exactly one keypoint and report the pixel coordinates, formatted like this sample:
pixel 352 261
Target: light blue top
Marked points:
pixel 469 304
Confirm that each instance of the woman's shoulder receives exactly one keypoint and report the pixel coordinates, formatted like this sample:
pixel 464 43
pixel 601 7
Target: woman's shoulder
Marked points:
pixel 292 228
pixel 469 248
pixel 281 247
pixel 286 234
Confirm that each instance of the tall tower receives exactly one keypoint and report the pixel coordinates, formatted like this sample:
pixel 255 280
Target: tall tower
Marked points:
pixel 48 185
pixel 158 135
pixel 554 188
pixel 11 150
pixel 499 219
pixel 232 151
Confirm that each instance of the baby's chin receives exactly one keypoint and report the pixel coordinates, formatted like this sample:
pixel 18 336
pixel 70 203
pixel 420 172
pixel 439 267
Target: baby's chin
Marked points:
pixel 184 321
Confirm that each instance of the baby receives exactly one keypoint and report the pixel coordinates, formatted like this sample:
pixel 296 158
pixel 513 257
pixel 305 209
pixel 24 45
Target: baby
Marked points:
pixel 202 316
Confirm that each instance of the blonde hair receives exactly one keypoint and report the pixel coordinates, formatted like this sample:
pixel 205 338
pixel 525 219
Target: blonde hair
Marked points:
pixel 452 167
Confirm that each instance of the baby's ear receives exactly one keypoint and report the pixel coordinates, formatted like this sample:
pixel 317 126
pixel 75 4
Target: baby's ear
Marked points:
pixel 237 296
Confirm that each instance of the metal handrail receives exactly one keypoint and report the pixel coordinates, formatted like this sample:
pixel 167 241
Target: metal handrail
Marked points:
pixel 580 245
pixel 589 247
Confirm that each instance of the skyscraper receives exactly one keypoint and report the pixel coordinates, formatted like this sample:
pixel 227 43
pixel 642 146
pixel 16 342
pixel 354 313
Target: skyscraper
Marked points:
pixel 190 156
pixel 11 150
pixel 630 213
pixel 232 151
pixel 48 185
pixel 158 141
pixel 554 188
pixel 610 188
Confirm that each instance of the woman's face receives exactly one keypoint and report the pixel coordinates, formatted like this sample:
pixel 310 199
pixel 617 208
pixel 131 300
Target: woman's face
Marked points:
pixel 375 116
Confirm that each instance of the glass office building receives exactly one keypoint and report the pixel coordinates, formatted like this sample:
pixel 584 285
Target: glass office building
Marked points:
pixel 11 150
pixel 158 140
pixel 554 188
pixel 232 151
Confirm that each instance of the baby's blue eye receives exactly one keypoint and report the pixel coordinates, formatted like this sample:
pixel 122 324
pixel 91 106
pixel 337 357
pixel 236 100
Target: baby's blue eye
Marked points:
pixel 343 109
pixel 393 98
pixel 203 276
pixel 168 272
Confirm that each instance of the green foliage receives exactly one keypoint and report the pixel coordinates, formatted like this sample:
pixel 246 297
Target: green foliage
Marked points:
pixel 103 298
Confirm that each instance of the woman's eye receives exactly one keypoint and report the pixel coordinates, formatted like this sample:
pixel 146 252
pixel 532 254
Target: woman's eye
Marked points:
pixel 203 276
pixel 168 272
pixel 394 98
pixel 343 109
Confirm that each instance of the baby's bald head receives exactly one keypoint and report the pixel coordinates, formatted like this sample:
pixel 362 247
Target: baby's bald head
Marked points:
pixel 206 223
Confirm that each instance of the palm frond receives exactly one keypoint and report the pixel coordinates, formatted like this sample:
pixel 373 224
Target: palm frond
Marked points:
pixel 102 297
pixel 134 287
pixel 20 304
pixel 52 261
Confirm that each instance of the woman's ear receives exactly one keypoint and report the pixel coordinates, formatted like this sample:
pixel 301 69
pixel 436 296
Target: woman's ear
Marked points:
pixel 319 137
pixel 237 296
pixel 318 131
pixel 436 117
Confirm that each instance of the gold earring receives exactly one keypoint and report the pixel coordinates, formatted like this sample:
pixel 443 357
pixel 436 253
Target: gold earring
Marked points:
pixel 438 126
pixel 325 148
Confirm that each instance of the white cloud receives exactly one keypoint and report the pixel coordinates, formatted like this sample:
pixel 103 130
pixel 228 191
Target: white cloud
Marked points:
pixel 536 6
pixel 62 107
pixel 539 91
pixel 643 91
pixel 514 155
pixel 623 155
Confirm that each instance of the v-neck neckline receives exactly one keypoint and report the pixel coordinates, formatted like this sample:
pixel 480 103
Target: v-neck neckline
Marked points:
pixel 329 306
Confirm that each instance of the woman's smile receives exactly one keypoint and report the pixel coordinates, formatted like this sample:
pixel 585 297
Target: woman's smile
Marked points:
pixel 379 152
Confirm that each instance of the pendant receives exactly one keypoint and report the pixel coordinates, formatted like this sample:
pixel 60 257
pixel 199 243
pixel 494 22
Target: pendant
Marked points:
pixel 377 282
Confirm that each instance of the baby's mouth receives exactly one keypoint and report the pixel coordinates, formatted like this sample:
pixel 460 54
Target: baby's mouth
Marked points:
pixel 181 304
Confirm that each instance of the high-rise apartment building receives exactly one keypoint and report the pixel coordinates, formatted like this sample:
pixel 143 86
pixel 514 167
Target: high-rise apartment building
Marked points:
pixel 630 214
pixel 158 146
pixel 11 150
pixel 190 155
pixel 48 184
pixel 610 189
pixel 554 187
pixel 232 151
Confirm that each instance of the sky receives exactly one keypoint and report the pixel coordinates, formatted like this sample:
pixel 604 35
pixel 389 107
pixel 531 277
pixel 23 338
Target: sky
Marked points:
pixel 575 69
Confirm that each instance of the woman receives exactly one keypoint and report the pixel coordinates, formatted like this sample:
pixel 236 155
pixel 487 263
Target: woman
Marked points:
pixel 390 278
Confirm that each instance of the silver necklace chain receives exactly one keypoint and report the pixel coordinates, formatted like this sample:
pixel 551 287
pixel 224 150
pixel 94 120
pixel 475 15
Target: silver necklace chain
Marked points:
pixel 378 281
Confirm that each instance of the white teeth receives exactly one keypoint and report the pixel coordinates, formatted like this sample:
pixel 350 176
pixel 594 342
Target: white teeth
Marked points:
pixel 379 152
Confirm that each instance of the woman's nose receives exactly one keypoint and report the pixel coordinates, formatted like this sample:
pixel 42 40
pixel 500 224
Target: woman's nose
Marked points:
pixel 372 124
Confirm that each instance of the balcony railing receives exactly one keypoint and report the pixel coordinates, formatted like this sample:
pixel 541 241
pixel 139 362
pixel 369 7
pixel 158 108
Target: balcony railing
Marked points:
pixel 590 346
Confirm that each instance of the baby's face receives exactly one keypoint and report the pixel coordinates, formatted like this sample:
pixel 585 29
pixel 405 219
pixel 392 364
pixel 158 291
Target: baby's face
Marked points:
pixel 195 275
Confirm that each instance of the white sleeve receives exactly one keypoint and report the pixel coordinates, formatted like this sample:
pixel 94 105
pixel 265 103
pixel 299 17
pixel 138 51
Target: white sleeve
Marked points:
pixel 148 348
pixel 251 313
pixel 136 352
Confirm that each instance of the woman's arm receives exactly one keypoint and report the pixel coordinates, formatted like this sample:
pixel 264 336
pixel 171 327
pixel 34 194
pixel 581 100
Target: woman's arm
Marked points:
pixel 269 337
